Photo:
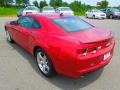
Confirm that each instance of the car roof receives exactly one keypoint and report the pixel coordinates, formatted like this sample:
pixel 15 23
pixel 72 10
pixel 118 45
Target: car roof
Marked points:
pixel 48 7
pixel 63 7
pixel 51 16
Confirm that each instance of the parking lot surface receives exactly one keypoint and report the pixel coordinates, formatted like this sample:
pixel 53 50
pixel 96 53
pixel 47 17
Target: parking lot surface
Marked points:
pixel 18 70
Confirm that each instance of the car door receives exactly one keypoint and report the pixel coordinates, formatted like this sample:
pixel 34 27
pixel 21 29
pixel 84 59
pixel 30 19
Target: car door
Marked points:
pixel 27 25
pixel 89 13
pixel 108 12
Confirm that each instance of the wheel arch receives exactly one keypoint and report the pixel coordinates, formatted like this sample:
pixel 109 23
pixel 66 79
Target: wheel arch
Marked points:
pixel 39 47
pixel 35 48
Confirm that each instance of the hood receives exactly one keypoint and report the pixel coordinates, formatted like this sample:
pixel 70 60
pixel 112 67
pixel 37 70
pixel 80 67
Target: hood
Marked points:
pixel 92 35
pixel 46 11
pixel 100 13
pixel 30 11
pixel 67 12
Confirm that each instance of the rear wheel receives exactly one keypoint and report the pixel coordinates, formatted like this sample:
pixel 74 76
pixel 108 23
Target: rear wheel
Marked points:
pixel 111 16
pixel 86 16
pixel 8 37
pixel 44 63
pixel 93 16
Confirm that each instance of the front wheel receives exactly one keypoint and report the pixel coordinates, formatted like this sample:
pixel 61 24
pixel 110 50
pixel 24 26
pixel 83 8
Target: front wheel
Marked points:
pixel 111 16
pixel 8 37
pixel 44 63
pixel 86 16
pixel 93 17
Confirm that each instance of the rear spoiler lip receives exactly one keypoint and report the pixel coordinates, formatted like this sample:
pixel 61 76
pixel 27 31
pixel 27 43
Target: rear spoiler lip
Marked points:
pixel 96 41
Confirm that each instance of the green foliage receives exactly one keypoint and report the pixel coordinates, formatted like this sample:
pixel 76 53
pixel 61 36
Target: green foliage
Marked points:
pixel 56 3
pixel 19 1
pixel 79 8
pixel 76 5
pixel 65 4
pixel 9 11
pixel 104 4
pixel 42 4
pixel 53 3
pixel 35 3
pixel 5 2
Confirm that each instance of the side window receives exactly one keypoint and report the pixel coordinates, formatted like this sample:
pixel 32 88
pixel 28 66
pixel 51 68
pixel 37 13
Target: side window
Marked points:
pixel 108 10
pixel 36 24
pixel 29 22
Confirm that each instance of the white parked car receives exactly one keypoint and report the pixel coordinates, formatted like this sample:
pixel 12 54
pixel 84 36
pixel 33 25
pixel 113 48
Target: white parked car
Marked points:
pixel 65 10
pixel 30 10
pixel 48 10
pixel 95 14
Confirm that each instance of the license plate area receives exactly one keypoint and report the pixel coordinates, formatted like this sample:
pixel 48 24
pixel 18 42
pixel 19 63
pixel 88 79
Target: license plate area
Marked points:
pixel 106 56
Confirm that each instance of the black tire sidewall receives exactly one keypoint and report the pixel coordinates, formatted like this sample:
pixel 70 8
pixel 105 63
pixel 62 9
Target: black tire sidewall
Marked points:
pixel 7 32
pixel 111 16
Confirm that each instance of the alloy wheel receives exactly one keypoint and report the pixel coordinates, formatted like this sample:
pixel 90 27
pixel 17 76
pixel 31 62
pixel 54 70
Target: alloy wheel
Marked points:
pixel 43 63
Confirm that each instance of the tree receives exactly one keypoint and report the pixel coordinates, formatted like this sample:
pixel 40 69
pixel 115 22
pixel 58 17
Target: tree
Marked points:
pixel 35 3
pixel 43 4
pixel 58 3
pixel 19 1
pixel 76 5
pixel 5 2
pixel 65 4
pixel 104 4
pixel 2 2
pixel 53 3
pixel 26 2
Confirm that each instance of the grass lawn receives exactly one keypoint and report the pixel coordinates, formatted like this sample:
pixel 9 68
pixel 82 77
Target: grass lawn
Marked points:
pixel 12 11
pixel 79 13
pixel 8 11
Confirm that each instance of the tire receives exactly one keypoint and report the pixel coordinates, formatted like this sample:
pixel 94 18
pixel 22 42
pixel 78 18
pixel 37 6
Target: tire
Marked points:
pixel 44 63
pixel 8 37
pixel 86 16
pixel 93 16
pixel 111 16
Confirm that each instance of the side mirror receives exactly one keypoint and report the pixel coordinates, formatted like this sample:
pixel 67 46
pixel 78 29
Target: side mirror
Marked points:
pixel 14 23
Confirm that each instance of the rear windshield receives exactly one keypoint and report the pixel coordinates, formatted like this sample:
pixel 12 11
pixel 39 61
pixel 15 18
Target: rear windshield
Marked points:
pixel 115 10
pixel 66 9
pixel 72 24
pixel 31 8
pixel 47 9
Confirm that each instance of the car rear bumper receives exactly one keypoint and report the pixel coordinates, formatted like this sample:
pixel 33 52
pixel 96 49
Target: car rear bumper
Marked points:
pixel 92 67
pixel 88 64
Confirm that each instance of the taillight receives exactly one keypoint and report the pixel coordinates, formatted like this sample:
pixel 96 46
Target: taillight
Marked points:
pixel 82 51
pixel 93 47
pixel 85 51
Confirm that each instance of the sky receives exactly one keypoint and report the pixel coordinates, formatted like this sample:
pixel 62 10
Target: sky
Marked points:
pixel 93 2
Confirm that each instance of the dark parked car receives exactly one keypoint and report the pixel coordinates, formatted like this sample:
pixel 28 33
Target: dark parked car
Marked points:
pixel 31 9
pixel 20 12
pixel 112 12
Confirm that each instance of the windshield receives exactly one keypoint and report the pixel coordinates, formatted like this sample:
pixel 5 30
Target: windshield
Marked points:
pixel 65 9
pixel 31 8
pixel 97 11
pixel 49 8
pixel 115 10
pixel 72 24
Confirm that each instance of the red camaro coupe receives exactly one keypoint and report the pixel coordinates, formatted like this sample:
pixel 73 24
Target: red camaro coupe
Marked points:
pixel 67 45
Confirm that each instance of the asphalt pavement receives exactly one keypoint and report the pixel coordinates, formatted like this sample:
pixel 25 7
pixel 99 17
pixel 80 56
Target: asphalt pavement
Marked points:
pixel 18 70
